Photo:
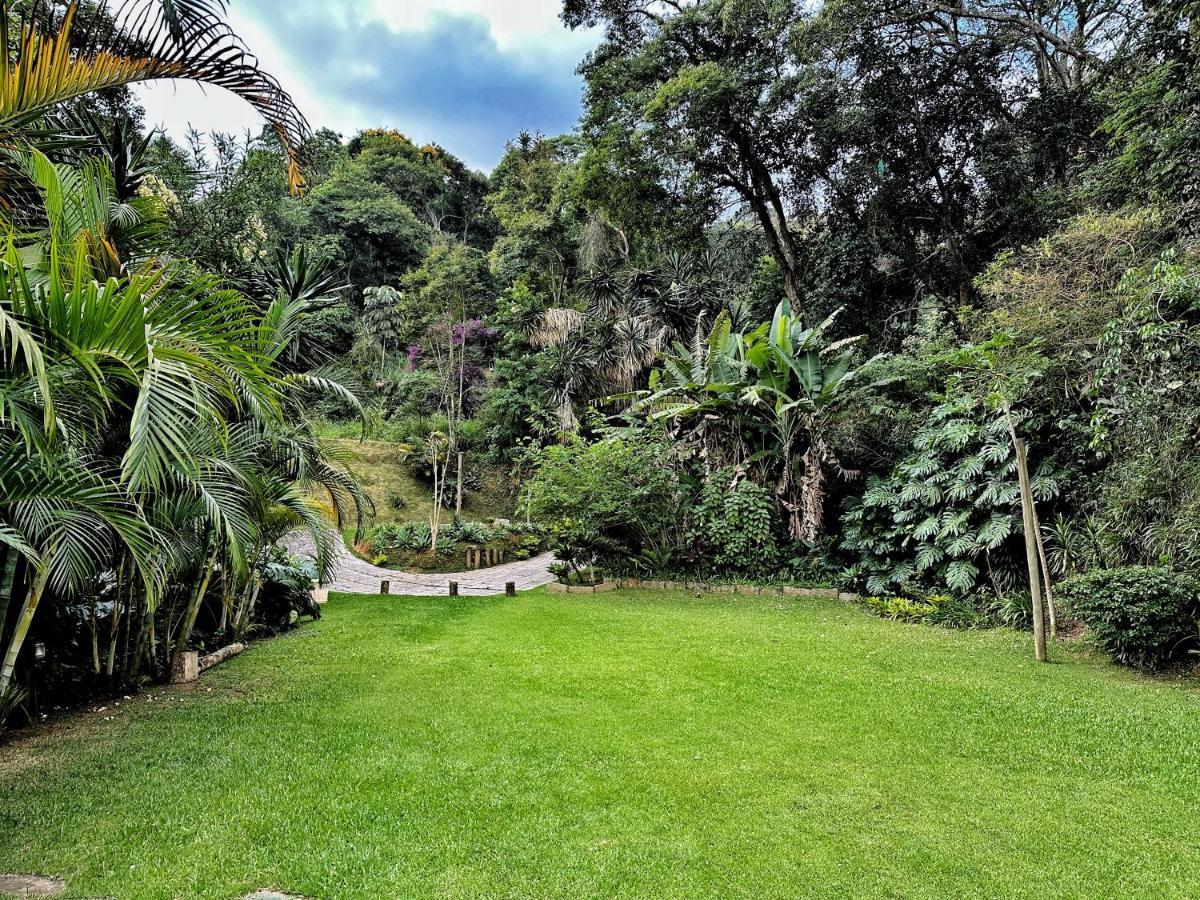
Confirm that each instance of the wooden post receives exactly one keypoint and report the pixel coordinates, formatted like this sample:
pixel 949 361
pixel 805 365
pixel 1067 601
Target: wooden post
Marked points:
pixel 454 589
pixel 510 588
pixel 1031 550
pixel 187 667
pixel 1046 582
pixel 385 587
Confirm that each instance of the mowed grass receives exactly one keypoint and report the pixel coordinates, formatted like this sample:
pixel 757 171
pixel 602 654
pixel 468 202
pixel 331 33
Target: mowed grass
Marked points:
pixel 622 745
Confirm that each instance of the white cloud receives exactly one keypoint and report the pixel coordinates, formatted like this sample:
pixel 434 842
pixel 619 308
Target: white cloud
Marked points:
pixel 338 89
pixel 511 21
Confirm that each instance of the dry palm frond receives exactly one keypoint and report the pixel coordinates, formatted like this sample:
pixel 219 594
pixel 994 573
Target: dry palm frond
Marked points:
pixel 557 325
pixel 140 44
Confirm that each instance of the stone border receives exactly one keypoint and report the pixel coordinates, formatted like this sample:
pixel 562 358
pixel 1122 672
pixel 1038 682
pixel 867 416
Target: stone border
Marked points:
pixel 555 587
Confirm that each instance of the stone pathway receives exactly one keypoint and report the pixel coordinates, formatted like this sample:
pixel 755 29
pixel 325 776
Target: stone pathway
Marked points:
pixel 356 576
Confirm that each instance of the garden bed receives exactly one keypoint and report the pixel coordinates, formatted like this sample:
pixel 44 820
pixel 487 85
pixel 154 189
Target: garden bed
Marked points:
pixel 461 546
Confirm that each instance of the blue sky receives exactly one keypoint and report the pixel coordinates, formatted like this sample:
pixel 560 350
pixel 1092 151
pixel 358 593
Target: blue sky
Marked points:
pixel 468 74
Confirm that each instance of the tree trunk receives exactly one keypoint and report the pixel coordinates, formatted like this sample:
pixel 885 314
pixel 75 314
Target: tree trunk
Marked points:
pixel 114 631
pixel 21 629
pixel 241 618
pixel 812 495
pixel 458 487
pixel 95 639
pixel 1031 551
pixel 193 610
pixel 435 514
pixel 8 585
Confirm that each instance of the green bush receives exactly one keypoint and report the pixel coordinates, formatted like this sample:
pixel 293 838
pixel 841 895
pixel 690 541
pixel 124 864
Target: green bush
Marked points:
pixel 1142 616
pixel 286 592
pixel 609 499
pixel 735 523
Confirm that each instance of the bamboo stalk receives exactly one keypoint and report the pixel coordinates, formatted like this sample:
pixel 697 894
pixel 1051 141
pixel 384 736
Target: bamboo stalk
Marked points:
pixel 189 620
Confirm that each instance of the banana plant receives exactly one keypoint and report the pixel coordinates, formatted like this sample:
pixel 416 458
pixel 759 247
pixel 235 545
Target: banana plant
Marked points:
pixel 760 397
pixel 794 378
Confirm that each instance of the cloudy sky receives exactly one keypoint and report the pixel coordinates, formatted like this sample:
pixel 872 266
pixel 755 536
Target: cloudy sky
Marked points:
pixel 468 74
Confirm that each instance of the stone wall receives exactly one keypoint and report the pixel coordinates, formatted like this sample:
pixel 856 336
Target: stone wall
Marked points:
pixel 703 587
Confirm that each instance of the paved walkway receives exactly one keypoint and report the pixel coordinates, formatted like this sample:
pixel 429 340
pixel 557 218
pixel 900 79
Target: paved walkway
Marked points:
pixel 356 576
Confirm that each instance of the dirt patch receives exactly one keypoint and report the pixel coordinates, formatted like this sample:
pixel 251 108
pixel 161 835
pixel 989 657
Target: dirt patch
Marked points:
pixel 31 886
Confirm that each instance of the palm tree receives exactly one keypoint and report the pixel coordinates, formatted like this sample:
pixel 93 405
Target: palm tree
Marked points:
pixel 150 427
pixel 51 62
pixel 629 316
pixel 153 432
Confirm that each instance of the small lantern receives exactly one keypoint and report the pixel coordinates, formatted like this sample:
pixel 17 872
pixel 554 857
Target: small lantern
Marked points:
pixel 39 651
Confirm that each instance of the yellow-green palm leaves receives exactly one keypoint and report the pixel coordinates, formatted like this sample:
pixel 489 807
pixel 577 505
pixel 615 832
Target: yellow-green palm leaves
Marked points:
pixel 143 42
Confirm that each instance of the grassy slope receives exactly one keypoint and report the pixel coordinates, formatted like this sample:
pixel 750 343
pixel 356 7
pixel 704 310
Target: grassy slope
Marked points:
pixel 622 745
pixel 377 463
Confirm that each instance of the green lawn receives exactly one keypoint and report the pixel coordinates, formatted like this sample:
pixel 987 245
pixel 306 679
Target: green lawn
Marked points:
pixel 623 745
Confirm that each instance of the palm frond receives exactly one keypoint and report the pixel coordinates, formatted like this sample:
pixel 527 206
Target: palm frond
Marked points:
pixel 150 40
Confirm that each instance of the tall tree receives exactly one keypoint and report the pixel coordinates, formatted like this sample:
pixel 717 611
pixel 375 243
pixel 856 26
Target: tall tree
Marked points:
pixel 711 87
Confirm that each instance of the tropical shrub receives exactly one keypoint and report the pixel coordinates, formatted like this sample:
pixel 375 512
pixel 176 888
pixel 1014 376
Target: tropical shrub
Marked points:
pixel 476 533
pixel 392 536
pixel 611 498
pixel 946 515
pixel 1012 609
pixel 903 609
pixel 734 523
pixel 1143 616
pixel 931 609
pixel 286 592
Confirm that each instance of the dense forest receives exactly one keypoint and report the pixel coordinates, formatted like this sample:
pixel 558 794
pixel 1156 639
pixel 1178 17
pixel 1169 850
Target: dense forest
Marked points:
pixel 787 306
